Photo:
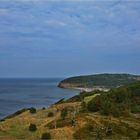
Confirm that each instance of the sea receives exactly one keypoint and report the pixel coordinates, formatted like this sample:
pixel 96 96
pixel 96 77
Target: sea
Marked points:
pixel 19 93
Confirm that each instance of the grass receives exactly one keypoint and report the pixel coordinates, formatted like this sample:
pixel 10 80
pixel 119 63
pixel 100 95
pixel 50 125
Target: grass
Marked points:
pixel 17 127
pixel 89 98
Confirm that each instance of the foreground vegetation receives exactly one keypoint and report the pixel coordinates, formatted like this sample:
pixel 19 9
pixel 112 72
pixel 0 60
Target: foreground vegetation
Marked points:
pixel 94 115
pixel 117 102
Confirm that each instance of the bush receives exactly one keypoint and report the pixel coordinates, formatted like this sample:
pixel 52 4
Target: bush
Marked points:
pixel 2 120
pixel 64 113
pixel 83 106
pixel 135 109
pixel 32 110
pixel 46 136
pixel 50 114
pixel 121 94
pixel 115 111
pixel 32 127
pixel 94 105
pixel 106 108
pixel 43 108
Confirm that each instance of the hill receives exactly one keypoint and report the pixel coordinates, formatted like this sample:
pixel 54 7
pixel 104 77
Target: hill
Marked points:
pixel 90 115
pixel 99 81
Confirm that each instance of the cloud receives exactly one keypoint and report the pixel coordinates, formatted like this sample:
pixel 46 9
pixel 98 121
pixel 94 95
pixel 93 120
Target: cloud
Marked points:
pixel 92 22
pixel 55 23
pixel 4 12
pixel 69 33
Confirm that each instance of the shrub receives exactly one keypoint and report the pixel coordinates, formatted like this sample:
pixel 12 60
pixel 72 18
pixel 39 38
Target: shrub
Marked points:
pixel 64 113
pixel 2 120
pixel 135 109
pixel 50 114
pixel 32 110
pixel 32 127
pixel 121 95
pixel 46 136
pixel 106 107
pixel 115 111
pixel 43 108
pixel 94 105
pixel 83 106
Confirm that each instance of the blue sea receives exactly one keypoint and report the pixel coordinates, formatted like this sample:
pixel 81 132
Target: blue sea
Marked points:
pixel 16 94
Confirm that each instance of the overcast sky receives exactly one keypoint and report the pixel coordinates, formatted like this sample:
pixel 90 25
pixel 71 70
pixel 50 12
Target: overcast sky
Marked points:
pixel 54 38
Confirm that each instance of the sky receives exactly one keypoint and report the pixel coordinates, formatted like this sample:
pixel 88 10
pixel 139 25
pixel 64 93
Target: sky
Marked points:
pixel 62 38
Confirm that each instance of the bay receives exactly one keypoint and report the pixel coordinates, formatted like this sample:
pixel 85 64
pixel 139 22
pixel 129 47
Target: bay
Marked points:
pixel 16 94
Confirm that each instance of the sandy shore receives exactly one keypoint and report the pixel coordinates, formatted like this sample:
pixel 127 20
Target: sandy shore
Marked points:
pixel 90 89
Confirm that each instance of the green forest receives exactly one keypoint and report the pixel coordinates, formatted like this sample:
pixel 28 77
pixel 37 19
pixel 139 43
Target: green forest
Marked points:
pixel 102 80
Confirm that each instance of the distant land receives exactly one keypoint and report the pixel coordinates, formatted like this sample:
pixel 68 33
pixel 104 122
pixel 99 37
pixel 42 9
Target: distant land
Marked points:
pixel 99 81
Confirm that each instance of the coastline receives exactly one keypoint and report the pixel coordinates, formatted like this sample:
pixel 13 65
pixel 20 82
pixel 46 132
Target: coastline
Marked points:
pixel 82 89
pixel 91 89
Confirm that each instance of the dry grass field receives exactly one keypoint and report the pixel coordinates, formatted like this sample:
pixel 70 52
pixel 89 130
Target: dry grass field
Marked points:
pixel 86 125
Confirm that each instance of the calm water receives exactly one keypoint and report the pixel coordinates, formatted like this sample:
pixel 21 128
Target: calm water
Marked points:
pixel 19 93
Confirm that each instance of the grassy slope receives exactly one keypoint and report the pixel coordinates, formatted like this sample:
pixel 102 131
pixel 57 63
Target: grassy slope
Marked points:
pixel 17 127
pixel 89 98
pixel 87 124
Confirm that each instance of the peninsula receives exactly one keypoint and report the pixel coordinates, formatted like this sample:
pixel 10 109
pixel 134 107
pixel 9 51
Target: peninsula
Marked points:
pixel 98 81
